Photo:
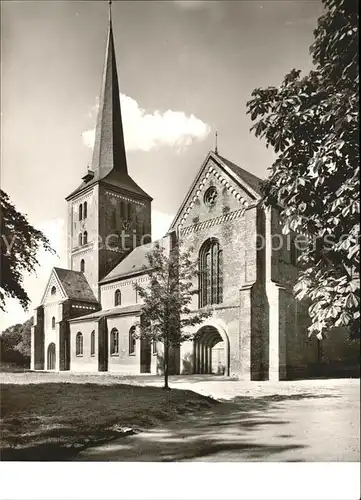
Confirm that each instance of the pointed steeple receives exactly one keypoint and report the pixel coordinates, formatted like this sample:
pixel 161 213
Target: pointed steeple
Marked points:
pixel 109 150
pixel 109 162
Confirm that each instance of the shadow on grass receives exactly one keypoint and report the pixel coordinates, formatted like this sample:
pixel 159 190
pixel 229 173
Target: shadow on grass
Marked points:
pixel 228 432
pixel 57 422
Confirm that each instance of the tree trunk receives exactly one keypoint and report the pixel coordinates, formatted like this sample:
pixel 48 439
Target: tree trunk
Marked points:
pixel 166 364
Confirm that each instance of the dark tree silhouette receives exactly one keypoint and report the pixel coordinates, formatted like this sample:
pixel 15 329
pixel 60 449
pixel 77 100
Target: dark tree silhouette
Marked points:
pixel 20 243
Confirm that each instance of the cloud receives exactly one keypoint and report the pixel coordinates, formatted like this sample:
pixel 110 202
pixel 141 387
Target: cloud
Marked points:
pixel 146 131
pixel 192 4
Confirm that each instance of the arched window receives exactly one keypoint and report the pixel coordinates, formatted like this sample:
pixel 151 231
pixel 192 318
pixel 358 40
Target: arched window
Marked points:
pixel 80 212
pixel 53 290
pixel 92 343
pixel 79 344
pixel 82 266
pixel 132 340
pixel 210 273
pixel 114 341
pixel 53 323
pixel 117 298
pixel 80 239
pixel 85 238
pixel 85 210
pixel 154 346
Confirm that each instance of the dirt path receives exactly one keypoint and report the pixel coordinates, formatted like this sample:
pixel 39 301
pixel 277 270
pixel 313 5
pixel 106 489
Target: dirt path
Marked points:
pixel 299 421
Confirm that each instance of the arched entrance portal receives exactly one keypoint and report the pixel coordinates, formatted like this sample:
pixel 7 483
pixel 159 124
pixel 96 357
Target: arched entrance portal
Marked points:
pixel 211 351
pixel 51 356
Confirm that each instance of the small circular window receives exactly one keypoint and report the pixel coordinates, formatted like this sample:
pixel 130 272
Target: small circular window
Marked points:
pixel 210 196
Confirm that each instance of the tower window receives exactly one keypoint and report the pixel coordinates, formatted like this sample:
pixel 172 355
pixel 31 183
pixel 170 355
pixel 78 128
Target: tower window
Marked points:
pixel 154 346
pixel 53 290
pixel 85 210
pixel 210 273
pixel 80 212
pixel 117 298
pixel 122 210
pixel 114 342
pixel 92 343
pixel 130 211
pixel 82 266
pixel 132 340
pixel 53 323
pixel 80 239
pixel 85 238
pixel 79 344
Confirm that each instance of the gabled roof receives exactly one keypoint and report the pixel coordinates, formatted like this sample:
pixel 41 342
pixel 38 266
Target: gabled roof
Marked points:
pixel 246 180
pixel 133 263
pixel 75 285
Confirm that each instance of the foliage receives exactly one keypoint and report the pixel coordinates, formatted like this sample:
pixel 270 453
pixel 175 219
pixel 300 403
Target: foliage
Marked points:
pixel 167 295
pixel 312 122
pixel 15 342
pixel 20 242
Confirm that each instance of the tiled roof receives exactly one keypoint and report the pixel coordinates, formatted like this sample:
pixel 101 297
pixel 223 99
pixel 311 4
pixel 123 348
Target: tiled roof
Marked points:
pixel 114 178
pixel 252 180
pixel 115 311
pixel 132 263
pixel 75 285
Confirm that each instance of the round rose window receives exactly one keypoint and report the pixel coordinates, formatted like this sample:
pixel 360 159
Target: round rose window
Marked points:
pixel 210 196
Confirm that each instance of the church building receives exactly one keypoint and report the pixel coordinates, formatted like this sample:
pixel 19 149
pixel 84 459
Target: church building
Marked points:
pixel 89 311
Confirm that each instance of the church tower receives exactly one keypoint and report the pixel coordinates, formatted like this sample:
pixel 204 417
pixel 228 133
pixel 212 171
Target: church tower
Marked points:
pixel 108 214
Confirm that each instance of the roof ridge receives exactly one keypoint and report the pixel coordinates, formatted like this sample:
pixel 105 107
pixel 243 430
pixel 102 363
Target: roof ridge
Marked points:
pixel 241 168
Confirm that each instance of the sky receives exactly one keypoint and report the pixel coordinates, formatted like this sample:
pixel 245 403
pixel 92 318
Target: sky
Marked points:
pixel 186 69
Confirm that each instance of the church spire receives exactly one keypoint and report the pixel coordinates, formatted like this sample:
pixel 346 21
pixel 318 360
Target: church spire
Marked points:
pixel 109 150
pixel 110 11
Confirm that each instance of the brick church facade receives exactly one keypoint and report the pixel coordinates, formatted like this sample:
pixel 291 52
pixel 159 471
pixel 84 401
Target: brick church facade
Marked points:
pixel 89 312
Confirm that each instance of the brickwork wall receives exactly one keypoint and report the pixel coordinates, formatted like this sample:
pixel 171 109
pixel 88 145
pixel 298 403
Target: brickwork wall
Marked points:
pixel 126 217
pixel 235 227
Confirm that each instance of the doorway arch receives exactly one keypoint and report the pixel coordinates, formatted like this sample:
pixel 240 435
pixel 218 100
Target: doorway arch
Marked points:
pixel 51 357
pixel 211 351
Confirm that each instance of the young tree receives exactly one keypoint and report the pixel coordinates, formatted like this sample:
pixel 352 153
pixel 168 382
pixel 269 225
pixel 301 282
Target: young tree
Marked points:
pixel 20 243
pixel 312 122
pixel 167 295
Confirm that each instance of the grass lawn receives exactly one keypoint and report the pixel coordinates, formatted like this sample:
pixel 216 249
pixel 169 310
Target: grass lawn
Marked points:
pixel 52 421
